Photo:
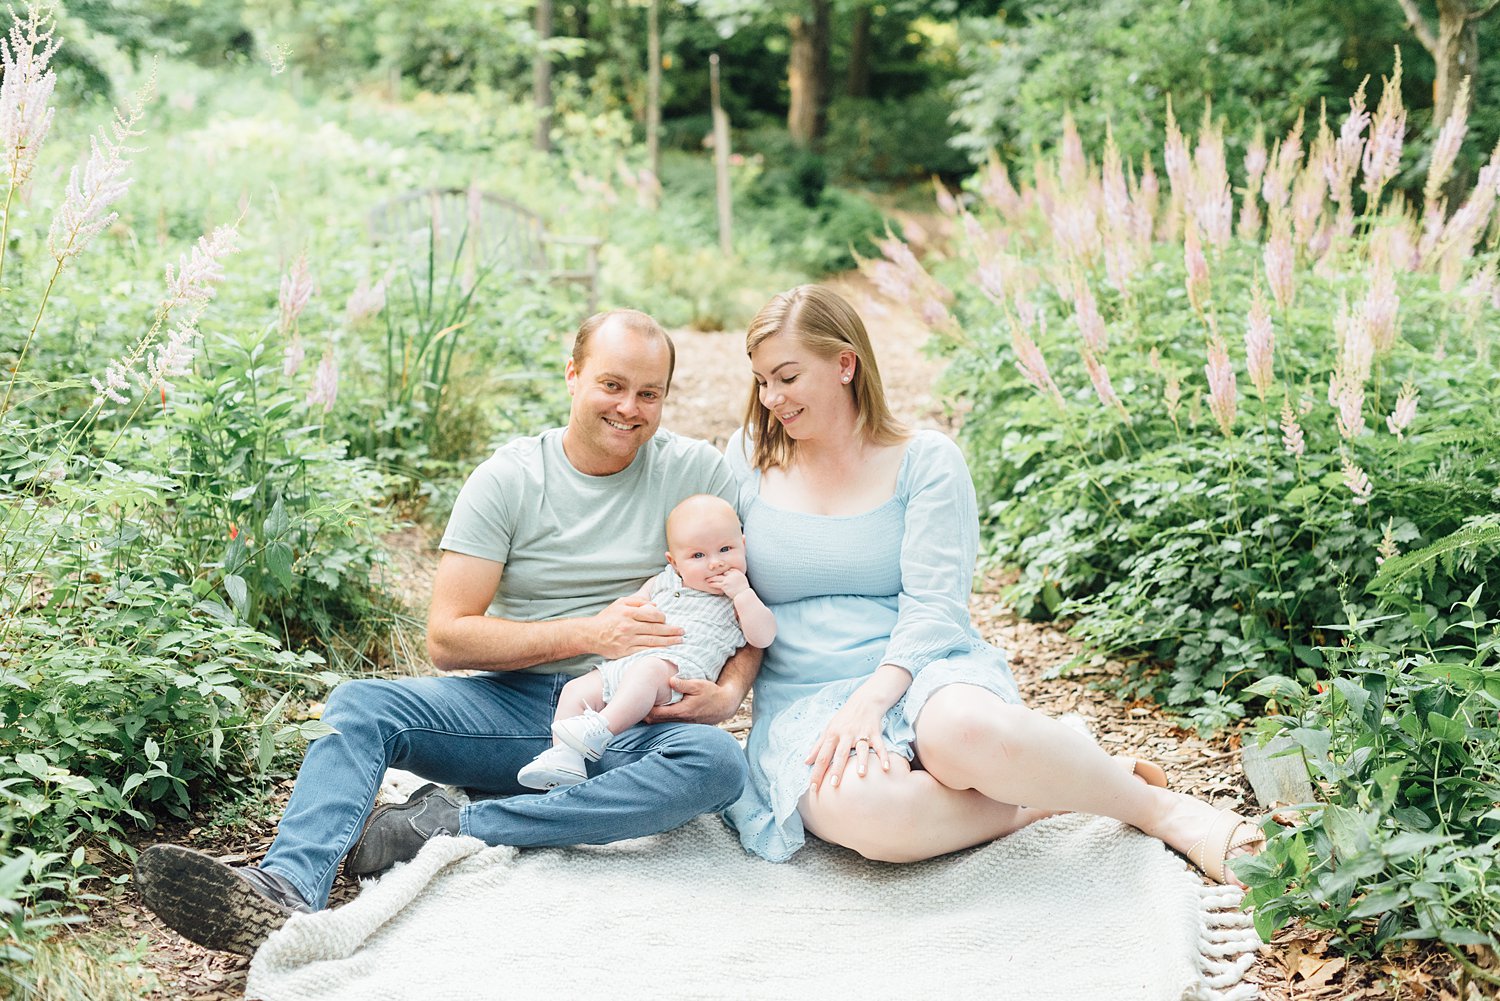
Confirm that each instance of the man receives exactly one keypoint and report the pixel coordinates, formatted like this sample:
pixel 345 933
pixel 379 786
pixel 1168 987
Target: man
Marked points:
pixel 544 534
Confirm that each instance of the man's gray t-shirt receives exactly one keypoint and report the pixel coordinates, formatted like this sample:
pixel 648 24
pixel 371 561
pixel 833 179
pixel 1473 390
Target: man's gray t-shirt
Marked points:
pixel 572 543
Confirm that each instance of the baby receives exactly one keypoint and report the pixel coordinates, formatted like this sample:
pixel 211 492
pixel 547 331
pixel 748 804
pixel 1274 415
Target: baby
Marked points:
pixel 703 589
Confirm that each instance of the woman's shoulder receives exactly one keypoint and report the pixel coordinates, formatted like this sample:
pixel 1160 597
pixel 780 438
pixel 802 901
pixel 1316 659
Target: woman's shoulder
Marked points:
pixel 930 449
pixel 739 451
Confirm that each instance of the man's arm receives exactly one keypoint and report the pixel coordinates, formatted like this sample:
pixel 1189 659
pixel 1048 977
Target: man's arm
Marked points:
pixel 461 637
pixel 710 702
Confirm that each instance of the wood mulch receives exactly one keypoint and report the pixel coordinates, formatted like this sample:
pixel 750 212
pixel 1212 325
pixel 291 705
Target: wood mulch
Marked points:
pixel 708 395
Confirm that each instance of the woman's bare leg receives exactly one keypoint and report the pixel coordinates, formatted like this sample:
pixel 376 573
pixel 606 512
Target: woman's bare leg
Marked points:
pixel 970 739
pixel 905 814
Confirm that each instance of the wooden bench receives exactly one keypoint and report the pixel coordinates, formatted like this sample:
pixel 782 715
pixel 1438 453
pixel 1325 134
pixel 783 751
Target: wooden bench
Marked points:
pixel 496 233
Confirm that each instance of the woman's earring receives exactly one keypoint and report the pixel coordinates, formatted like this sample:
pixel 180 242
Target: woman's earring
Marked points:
pixel 846 378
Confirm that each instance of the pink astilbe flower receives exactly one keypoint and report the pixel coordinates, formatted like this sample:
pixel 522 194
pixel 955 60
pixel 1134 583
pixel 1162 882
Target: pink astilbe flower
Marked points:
pixel 1255 168
pixel 1072 164
pixel 1471 220
pixel 1450 270
pixel 1381 302
pixel 1090 323
pixel 1387 549
pixel 936 315
pixel 325 387
pixel 189 288
pixel 171 360
pixel 1198 280
pixel 1144 203
pixel 1348 399
pixel 1449 141
pixel 973 232
pixel 1280 261
pixel 296 290
pixel 1260 343
pixel 193 282
pixel 26 90
pixel 1027 313
pixel 1401 238
pixel 1356 480
pixel 1382 157
pixel 1307 205
pixel 291 358
pixel 1479 291
pixel 116 378
pixel 1171 394
pixel 991 277
pixel 1291 432
pixel 97 183
pixel 1099 376
pixel 1115 189
pixel 1075 228
pixel 365 301
pixel 1406 409
pixel 1031 364
pixel 946 203
pixel 1356 352
pixel 1179 162
pixel 995 188
pixel 1286 159
pixel 1223 397
pixel 1212 203
pixel 1346 152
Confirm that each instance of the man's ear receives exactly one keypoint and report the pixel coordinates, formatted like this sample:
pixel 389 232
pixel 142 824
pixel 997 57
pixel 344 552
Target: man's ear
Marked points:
pixel 570 375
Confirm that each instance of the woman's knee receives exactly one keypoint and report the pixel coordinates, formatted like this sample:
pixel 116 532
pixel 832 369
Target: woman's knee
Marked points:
pixel 955 725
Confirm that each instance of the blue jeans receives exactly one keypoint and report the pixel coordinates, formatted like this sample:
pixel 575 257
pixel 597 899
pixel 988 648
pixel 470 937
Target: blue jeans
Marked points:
pixel 476 732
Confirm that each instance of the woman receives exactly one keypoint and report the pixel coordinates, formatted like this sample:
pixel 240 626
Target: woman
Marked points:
pixel 883 722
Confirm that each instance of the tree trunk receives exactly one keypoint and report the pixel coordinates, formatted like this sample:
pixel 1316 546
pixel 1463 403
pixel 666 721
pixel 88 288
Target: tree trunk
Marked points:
pixel 807 73
pixel 858 82
pixel 541 78
pixel 653 87
pixel 1457 56
pixel 1454 47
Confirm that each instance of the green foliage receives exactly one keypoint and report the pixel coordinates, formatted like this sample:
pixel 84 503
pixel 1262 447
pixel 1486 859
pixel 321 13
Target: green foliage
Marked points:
pixel 1217 550
pixel 893 140
pixel 1107 63
pixel 260 498
pixel 1403 843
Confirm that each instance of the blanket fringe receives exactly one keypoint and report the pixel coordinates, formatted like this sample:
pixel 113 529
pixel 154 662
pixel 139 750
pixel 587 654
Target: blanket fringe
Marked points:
pixel 1226 948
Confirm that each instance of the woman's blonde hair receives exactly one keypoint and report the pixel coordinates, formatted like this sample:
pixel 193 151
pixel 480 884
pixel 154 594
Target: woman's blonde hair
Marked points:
pixel 826 324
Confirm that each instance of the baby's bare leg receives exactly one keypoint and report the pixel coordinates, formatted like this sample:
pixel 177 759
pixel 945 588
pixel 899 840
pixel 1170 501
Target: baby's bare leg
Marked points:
pixel 644 685
pixel 586 692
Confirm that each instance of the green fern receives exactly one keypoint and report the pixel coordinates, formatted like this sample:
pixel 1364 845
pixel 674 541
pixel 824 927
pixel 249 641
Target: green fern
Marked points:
pixel 1461 551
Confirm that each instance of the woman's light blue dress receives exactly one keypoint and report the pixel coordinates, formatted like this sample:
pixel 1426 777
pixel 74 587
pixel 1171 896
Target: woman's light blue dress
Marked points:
pixel 890 586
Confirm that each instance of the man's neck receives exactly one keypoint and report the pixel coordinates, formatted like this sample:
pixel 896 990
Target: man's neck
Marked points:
pixel 591 465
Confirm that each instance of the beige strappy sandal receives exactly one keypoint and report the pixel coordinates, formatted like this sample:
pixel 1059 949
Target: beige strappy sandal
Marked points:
pixel 1147 771
pixel 1228 832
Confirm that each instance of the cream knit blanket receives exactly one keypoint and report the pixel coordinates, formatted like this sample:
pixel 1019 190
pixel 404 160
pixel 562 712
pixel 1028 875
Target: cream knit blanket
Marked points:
pixel 1069 908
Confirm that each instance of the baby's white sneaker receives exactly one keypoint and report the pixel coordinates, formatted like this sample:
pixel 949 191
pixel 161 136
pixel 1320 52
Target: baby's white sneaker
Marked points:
pixel 554 768
pixel 587 733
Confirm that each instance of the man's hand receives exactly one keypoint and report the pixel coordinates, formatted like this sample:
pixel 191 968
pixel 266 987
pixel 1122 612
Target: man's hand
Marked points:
pixel 631 624
pixel 702 702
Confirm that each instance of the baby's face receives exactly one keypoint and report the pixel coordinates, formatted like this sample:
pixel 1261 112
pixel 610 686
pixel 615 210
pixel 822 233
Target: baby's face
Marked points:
pixel 703 547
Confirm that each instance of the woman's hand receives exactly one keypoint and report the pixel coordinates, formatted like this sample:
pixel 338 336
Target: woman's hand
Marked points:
pixel 856 727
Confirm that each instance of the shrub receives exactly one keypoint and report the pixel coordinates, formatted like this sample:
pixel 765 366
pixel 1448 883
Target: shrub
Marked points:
pixel 1309 522
pixel 1402 745
pixel 1212 527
